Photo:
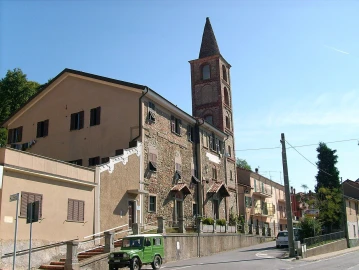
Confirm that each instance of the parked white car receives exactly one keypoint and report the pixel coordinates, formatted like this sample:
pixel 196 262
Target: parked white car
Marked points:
pixel 282 237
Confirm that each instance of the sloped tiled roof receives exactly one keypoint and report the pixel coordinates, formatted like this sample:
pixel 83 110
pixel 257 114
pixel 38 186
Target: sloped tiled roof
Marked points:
pixel 181 187
pixel 219 187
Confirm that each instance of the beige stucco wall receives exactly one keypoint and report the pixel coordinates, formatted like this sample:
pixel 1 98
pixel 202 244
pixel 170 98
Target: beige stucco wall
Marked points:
pixel 119 120
pixel 57 182
pixel 25 161
pixel 114 197
pixel 54 208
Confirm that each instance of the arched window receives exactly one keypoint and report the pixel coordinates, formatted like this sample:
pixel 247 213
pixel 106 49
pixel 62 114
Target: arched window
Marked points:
pixel 229 151
pixel 209 119
pixel 228 124
pixel 226 96
pixel 224 71
pixel 206 72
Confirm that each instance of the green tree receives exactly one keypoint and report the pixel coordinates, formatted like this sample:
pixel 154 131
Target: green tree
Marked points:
pixel 310 227
pixel 330 207
pixel 328 174
pixel 305 187
pixel 242 163
pixel 15 90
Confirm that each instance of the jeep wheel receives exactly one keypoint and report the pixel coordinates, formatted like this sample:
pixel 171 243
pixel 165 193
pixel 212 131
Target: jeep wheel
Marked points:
pixel 156 264
pixel 135 264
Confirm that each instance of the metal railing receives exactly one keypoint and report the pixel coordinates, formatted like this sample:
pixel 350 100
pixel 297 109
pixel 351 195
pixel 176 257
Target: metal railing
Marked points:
pixel 322 239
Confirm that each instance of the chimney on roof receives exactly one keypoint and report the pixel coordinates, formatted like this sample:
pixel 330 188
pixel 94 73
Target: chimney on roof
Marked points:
pixel 256 169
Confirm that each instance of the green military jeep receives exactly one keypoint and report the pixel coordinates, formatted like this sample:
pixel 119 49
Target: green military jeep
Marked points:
pixel 138 250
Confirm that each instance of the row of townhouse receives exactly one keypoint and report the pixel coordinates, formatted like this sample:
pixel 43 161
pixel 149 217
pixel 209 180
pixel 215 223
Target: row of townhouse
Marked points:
pixel 143 156
pixel 262 203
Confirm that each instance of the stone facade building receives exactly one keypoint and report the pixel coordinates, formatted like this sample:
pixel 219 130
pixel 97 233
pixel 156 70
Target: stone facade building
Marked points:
pixel 187 166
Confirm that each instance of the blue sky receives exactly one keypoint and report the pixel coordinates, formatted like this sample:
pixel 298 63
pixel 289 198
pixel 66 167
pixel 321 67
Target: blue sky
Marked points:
pixel 294 64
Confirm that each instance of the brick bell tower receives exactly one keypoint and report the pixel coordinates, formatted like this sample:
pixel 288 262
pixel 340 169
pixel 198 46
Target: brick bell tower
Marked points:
pixel 212 98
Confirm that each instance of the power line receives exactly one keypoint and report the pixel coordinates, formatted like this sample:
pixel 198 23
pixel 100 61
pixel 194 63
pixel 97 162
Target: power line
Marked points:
pixel 297 146
pixel 308 159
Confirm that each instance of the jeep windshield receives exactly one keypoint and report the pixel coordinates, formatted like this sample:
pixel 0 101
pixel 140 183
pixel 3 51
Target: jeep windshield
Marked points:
pixel 132 242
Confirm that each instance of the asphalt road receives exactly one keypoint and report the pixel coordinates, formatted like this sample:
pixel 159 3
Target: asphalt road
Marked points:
pixel 263 256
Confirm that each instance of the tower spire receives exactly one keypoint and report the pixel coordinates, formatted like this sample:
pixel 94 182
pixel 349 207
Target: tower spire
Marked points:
pixel 209 44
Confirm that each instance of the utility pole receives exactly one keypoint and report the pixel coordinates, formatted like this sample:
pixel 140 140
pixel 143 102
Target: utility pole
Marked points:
pixel 287 199
pixel 345 222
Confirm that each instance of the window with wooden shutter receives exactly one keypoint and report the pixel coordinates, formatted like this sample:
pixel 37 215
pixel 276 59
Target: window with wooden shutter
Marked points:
pixel 77 120
pixel 19 134
pixel 95 116
pixel 152 159
pixel 10 135
pixel 176 125
pixel 151 111
pixel 42 129
pixel 26 198
pixel 75 210
pixel 173 124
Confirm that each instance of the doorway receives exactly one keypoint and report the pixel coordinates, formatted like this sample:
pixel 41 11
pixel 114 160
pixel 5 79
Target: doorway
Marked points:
pixel 131 213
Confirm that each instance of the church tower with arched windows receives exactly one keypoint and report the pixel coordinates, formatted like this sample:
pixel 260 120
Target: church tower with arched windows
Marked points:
pixel 211 95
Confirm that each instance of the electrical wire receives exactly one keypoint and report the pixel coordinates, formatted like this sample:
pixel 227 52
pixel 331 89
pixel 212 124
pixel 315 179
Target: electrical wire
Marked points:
pixel 297 146
pixel 308 159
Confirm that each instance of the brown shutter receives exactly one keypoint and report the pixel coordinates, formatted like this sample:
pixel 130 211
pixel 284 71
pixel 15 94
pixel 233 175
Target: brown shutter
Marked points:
pixel 76 210
pixel 10 135
pixel 70 209
pixel 179 126
pixel 19 135
pixel 82 116
pixel 38 130
pixel 46 128
pixel 92 117
pixel 81 211
pixel 98 115
pixel 38 197
pixel 72 122
pixel 23 206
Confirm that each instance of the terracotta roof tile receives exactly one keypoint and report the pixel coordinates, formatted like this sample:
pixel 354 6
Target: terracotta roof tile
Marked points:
pixel 181 187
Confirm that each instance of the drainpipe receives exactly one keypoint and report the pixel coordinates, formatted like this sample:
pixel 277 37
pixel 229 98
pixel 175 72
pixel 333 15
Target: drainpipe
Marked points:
pixel 225 177
pixel 199 184
pixel 142 146
pixel 140 114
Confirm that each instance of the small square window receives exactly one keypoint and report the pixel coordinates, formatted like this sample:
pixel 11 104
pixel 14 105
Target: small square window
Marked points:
pixel 75 210
pixel 152 204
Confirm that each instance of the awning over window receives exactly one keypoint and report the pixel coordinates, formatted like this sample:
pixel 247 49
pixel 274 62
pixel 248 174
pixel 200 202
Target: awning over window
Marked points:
pixel 219 187
pixel 181 187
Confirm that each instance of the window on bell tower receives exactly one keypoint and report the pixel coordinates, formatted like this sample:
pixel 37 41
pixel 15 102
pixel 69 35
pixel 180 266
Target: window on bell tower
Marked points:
pixel 209 119
pixel 224 71
pixel 226 96
pixel 206 72
pixel 228 124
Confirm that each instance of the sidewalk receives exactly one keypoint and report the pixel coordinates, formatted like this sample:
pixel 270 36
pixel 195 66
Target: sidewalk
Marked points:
pixel 331 254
